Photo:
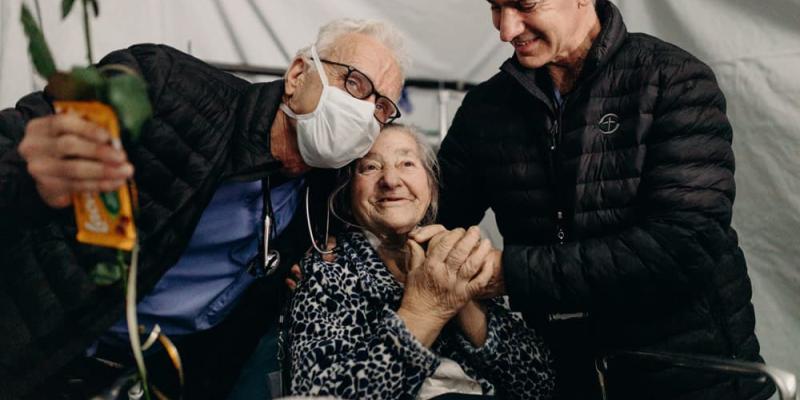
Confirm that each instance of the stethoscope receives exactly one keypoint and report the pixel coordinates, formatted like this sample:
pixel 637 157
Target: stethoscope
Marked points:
pixel 311 232
pixel 271 258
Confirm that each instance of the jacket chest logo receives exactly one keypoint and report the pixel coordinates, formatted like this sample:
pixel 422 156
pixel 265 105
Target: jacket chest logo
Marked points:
pixel 609 123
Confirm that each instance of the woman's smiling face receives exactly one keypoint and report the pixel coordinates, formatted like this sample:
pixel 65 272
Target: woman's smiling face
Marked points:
pixel 391 190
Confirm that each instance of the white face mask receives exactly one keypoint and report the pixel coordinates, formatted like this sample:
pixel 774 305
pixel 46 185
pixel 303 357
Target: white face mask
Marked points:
pixel 341 129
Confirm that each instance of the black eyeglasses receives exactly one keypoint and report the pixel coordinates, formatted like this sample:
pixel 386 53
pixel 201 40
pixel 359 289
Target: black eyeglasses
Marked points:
pixel 360 86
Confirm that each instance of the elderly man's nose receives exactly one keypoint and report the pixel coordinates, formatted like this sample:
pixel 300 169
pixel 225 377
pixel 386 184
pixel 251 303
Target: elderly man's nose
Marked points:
pixel 510 25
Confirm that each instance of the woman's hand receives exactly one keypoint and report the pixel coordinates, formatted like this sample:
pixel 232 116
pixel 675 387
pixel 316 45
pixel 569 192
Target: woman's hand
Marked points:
pixel 434 291
pixel 473 322
pixel 496 286
pixel 471 316
pixel 440 281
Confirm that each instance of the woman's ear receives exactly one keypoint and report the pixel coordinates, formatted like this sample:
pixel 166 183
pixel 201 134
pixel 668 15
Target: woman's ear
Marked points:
pixel 295 76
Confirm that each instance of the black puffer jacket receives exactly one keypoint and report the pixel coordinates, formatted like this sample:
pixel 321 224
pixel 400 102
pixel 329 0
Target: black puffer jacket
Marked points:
pixel 616 204
pixel 208 127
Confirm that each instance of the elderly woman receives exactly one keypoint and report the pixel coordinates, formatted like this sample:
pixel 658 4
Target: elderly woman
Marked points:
pixel 390 320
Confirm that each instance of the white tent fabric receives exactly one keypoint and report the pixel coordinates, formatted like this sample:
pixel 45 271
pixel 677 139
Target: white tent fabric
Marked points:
pixel 753 46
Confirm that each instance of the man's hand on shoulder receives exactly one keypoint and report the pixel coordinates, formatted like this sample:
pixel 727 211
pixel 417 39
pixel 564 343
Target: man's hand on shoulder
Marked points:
pixel 67 154
pixel 294 277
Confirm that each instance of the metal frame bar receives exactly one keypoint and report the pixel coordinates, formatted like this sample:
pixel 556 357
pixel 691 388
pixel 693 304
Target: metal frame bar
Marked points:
pixel 785 382
pixel 421 83
pixel 262 19
pixel 442 87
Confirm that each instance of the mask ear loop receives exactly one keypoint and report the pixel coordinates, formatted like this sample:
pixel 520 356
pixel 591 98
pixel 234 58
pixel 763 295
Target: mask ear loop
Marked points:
pixel 311 232
pixel 318 64
pixel 323 78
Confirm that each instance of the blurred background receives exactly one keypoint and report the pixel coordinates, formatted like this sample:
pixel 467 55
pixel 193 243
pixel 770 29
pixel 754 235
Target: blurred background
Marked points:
pixel 752 46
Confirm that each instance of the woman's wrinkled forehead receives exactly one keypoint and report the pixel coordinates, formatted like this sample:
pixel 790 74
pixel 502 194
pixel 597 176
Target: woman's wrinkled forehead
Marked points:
pixel 394 142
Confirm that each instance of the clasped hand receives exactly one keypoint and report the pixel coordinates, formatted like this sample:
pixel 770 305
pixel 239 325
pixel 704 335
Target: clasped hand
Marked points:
pixel 457 267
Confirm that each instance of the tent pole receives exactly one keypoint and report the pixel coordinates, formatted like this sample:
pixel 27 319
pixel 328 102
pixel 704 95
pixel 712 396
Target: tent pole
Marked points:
pixel 263 20
pixel 444 98
pixel 229 28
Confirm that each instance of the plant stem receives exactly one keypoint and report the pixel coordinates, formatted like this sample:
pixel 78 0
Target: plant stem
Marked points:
pixel 86 31
pixel 133 322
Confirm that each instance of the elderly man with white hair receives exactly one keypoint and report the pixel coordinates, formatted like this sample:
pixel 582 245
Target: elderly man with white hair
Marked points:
pixel 224 171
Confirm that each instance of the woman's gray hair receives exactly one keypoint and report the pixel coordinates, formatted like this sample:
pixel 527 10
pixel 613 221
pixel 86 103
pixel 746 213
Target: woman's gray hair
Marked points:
pixel 340 200
pixel 381 31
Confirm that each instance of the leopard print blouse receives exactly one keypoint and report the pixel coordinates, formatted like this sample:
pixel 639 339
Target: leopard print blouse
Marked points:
pixel 346 340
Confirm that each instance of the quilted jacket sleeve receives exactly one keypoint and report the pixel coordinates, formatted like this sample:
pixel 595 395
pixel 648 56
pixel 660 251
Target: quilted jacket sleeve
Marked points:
pixel 685 204
pixel 469 202
pixel 513 358
pixel 337 351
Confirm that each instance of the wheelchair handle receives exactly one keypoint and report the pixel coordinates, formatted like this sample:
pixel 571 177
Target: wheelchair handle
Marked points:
pixel 783 380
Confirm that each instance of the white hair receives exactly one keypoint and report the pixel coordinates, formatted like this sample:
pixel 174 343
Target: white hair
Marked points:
pixel 382 31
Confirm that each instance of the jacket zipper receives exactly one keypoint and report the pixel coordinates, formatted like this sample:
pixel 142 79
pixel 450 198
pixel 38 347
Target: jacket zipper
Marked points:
pixel 555 138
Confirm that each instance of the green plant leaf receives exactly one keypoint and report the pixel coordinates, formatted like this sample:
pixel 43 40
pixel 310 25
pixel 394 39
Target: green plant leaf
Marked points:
pixel 128 95
pixel 66 7
pixel 89 76
pixel 104 274
pixel 37 46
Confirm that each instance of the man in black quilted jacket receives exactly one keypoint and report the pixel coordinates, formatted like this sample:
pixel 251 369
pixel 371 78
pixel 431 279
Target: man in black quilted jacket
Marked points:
pixel 606 158
pixel 219 156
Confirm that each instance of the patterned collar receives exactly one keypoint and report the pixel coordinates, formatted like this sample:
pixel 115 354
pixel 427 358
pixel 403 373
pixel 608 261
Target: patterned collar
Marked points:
pixel 376 281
